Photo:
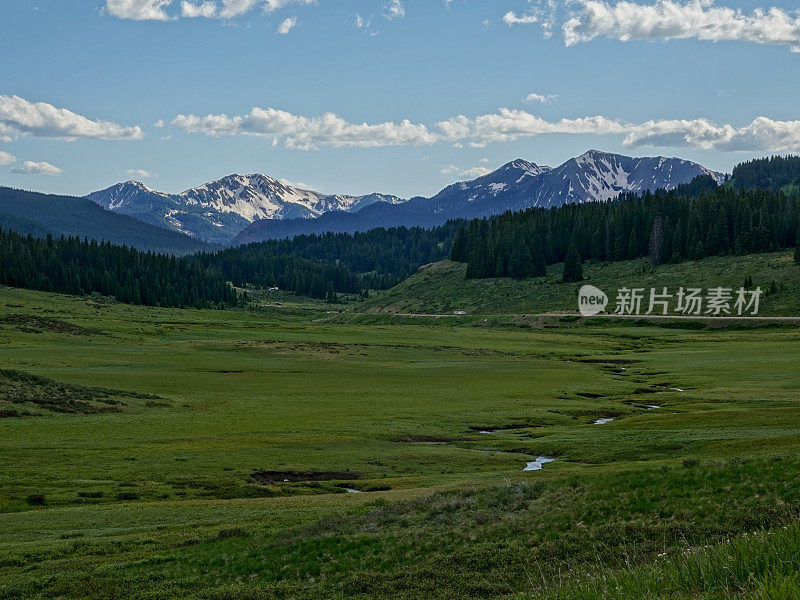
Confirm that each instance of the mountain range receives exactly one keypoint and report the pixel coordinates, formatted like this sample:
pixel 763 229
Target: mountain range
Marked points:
pixel 219 210
pixel 247 208
pixel 592 177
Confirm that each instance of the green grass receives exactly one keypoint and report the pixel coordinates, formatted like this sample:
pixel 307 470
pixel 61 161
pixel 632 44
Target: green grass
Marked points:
pixel 442 288
pixel 156 499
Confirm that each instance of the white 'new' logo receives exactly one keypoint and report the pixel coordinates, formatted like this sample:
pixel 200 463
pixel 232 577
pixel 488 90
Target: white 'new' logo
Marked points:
pixel 591 301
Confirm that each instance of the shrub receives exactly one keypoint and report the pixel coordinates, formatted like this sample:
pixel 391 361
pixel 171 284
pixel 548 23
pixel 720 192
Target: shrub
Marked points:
pixel 90 494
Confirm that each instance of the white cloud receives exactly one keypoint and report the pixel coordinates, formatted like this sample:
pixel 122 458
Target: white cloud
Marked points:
pixel 299 185
pixel 506 125
pixel 272 5
pixel 287 25
pixel 229 9
pixel 668 19
pixel 306 133
pixel 543 98
pixel 7 133
pixel 140 174
pixel 511 18
pixel 234 8
pixel 761 135
pixel 191 10
pixel 36 168
pixel 19 116
pixel 395 10
pixel 472 173
pixel 7 158
pixel 476 172
pixel 138 10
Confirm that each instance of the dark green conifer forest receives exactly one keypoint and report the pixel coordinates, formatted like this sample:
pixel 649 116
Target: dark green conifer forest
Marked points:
pixel 75 266
pixel 345 262
pixel 666 226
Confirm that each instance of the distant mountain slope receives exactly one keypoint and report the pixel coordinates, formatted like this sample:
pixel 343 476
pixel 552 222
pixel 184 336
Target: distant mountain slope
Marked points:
pixel 22 225
pixel 219 210
pixel 39 214
pixel 591 177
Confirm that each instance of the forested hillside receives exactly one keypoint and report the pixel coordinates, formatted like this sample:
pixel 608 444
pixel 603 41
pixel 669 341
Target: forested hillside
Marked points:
pixel 666 226
pixel 75 266
pixel 262 269
pixel 39 214
pixel 382 257
pixel 774 173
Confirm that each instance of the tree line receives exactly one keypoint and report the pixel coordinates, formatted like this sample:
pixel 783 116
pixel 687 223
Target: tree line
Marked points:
pixel 249 265
pixel 774 173
pixel 319 266
pixel 77 266
pixel 666 226
pixel 316 265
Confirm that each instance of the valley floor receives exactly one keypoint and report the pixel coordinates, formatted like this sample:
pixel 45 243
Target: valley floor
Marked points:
pixel 154 453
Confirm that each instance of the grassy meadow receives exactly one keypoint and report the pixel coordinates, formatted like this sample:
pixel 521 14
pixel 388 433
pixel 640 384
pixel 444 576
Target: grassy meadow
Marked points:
pixel 297 452
pixel 441 288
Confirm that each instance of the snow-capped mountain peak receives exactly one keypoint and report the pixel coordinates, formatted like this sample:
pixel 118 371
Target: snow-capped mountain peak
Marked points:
pixel 218 210
pixel 529 168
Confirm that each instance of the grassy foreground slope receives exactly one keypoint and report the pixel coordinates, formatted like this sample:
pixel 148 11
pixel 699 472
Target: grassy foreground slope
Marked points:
pixel 442 288
pixel 130 438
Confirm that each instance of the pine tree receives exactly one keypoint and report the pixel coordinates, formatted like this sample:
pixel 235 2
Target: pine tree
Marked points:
pixel 538 255
pixel 657 242
pixel 633 244
pixel 520 264
pixel 458 253
pixel 797 248
pixel 573 269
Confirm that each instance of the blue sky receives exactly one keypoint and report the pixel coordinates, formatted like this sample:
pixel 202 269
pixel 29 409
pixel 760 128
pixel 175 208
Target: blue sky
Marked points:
pixel 94 93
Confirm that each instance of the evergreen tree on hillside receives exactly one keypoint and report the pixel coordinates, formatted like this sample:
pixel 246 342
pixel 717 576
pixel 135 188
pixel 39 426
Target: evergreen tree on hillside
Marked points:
pixel 521 264
pixel 797 247
pixel 657 241
pixel 539 264
pixel 633 244
pixel 458 253
pixel 573 269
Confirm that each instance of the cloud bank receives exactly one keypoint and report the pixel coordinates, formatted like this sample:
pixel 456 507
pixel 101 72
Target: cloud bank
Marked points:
pixel 665 20
pixel 228 9
pixel 36 168
pixel 39 119
pixel 308 133
pixel 506 125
